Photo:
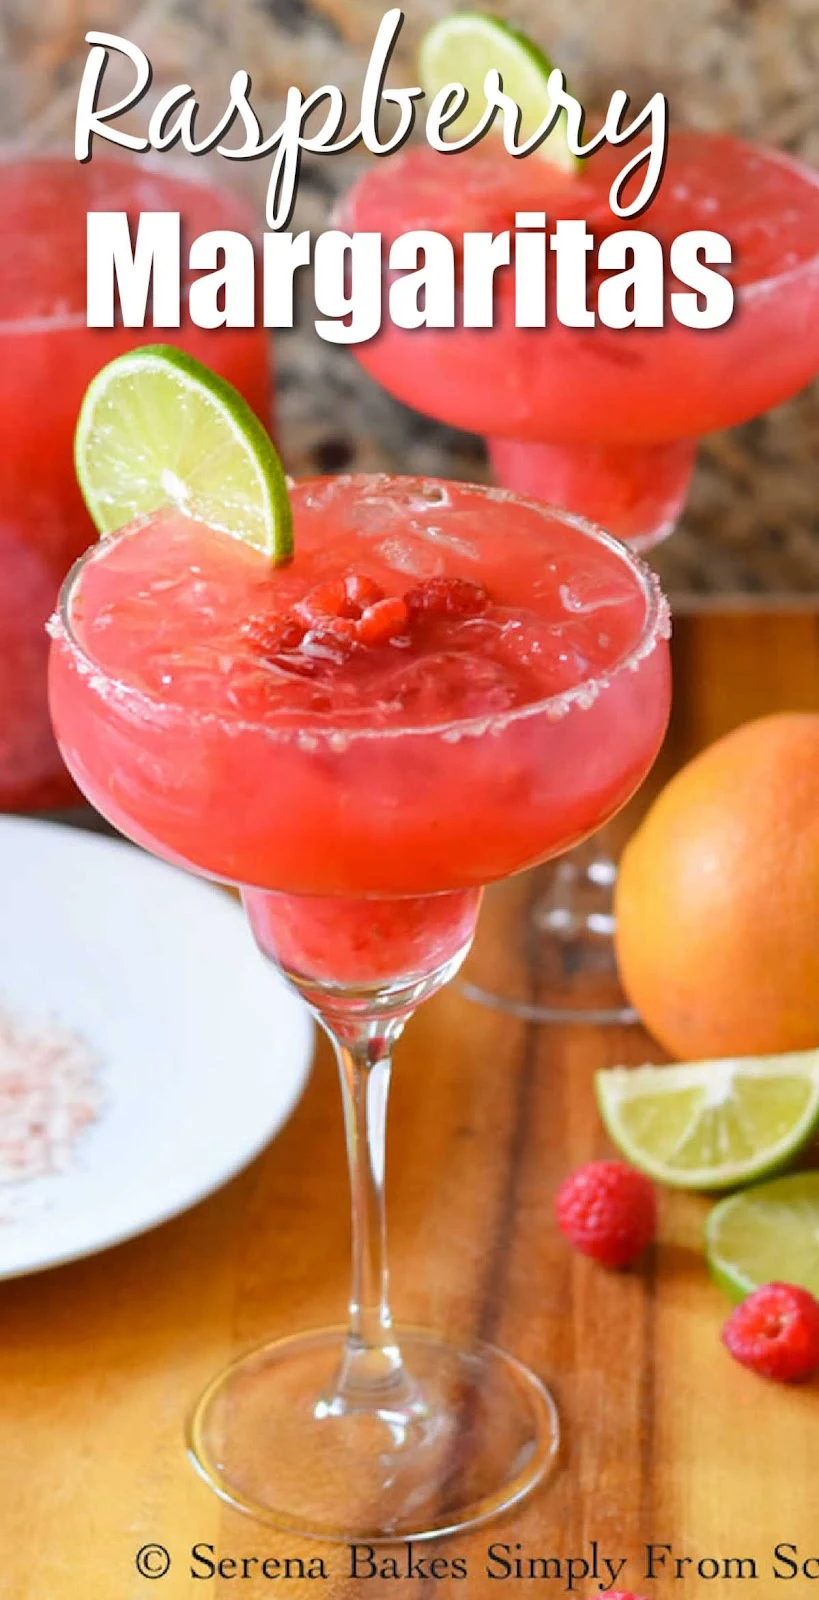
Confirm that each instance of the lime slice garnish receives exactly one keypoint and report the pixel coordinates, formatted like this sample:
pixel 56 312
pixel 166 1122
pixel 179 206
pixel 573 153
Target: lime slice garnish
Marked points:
pixel 464 47
pixel 157 428
pixel 712 1124
pixel 768 1234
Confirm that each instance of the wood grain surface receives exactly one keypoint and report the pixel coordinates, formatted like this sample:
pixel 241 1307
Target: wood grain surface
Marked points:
pixel 667 1441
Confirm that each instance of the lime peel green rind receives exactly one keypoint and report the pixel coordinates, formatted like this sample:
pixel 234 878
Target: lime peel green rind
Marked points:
pixel 462 48
pixel 710 1125
pixel 158 428
pixel 767 1234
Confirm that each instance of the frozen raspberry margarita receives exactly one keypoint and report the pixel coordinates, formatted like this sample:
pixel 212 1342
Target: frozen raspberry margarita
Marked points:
pixel 605 420
pixel 320 732
pixel 360 700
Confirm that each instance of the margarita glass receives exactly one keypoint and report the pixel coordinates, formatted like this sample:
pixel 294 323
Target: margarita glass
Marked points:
pixel 602 421
pixel 315 733
pixel 47 357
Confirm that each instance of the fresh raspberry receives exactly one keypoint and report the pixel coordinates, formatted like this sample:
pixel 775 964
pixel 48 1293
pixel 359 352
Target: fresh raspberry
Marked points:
pixel 326 600
pixel 362 591
pixel 607 1211
pixel 332 639
pixel 447 597
pixel 271 635
pixel 775 1332
pixel 384 620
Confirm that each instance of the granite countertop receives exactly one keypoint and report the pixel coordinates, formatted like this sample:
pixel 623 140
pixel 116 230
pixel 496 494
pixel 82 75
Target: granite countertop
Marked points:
pixel 751 529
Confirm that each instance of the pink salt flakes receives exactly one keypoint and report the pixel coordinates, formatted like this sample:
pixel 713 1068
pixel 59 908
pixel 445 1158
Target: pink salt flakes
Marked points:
pixel 49 1093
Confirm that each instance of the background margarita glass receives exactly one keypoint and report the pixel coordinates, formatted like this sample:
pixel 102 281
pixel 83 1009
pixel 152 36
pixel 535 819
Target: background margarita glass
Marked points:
pixel 601 421
pixel 605 420
pixel 47 357
pixel 313 732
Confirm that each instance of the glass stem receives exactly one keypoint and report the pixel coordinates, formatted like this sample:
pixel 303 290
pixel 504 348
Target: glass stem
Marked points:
pixel 371 1374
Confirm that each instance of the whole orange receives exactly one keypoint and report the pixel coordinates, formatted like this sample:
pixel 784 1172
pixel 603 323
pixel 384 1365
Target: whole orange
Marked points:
pixel 718 897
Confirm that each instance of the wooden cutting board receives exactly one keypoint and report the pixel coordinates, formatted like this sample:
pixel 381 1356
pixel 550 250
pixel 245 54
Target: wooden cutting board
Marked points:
pixel 667 1441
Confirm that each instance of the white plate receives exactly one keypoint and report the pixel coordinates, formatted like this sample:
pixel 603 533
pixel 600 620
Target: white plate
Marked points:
pixel 204 1051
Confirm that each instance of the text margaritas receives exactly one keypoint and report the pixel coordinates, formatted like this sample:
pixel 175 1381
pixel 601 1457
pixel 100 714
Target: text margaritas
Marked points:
pixel 419 279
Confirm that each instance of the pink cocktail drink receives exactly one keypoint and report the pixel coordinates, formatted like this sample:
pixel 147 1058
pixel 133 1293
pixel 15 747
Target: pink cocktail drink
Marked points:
pixel 446 684
pixel 601 420
pixel 525 681
pixel 47 357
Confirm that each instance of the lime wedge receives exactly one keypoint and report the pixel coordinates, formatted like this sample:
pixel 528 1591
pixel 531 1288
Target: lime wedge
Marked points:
pixel 768 1234
pixel 712 1124
pixel 157 428
pixel 464 47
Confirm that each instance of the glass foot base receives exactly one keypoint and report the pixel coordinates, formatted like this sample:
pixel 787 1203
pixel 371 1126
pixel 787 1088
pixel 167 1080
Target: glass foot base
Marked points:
pixel 466 1435
pixel 546 953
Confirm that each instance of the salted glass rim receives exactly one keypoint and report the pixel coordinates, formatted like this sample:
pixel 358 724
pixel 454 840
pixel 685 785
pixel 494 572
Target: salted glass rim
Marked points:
pixel 555 707
pixel 151 163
